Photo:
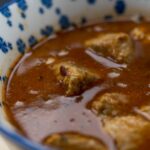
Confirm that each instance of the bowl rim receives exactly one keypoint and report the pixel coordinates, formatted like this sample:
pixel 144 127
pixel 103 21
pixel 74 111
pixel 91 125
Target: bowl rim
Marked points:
pixel 21 141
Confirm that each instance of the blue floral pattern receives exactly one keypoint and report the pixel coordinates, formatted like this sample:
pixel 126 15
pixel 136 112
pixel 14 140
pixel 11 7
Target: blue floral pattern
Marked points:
pixel 21 46
pixel 23 15
pixel 47 3
pixel 91 1
pixel 32 40
pixel 6 12
pixel 5 46
pixel 9 22
pixel 3 78
pixel 41 10
pixel 22 4
pixel 21 27
pixel 58 11
pixel 120 6
pixel 64 22
pixel 48 30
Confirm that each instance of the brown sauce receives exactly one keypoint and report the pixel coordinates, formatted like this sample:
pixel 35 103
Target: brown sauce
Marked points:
pixel 37 102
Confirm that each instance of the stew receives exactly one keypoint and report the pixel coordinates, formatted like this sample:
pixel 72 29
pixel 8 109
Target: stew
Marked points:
pixel 85 89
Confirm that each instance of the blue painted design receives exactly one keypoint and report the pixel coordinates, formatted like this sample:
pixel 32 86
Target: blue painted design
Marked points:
pixel 58 11
pixel 9 23
pixel 32 40
pixel 0 78
pixel 21 46
pixel 108 17
pixel 10 46
pixel 91 1
pixel 21 27
pixel 6 12
pixel 47 3
pixel 4 46
pixel 64 22
pixel 83 20
pixel 41 10
pixel 3 78
pixel 48 30
pixel 22 5
pixel 23 15
pixel 120 6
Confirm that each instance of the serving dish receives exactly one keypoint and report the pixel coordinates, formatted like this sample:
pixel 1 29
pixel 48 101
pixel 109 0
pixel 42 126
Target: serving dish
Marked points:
pixel 25 22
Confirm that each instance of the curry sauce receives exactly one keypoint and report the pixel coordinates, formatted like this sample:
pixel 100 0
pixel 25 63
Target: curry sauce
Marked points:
pixel 86 88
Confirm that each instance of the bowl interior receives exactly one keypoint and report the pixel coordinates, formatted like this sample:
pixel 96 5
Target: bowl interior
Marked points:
pixel 25 22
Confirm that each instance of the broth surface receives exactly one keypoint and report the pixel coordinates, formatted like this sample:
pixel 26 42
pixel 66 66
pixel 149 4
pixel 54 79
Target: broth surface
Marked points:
pixel 38 104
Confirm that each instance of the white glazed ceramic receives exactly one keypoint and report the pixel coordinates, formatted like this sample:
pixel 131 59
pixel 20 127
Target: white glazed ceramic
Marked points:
pixel 24 22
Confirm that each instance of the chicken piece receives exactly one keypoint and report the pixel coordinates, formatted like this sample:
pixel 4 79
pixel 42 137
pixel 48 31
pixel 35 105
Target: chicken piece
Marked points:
pixel 75 78
pixel 130 132
pixel 118 46
pixel 74 141
pixel 138 34
pixel 111 104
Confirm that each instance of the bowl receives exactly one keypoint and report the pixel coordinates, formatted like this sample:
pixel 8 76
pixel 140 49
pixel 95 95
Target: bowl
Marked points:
pixel 25 22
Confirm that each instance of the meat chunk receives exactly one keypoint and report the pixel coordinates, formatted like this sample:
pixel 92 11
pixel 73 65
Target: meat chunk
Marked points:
pixel 111 104
pixel 138 33
pixel 74 141
pixel 130 132
pixel 75 78
pixel 118 46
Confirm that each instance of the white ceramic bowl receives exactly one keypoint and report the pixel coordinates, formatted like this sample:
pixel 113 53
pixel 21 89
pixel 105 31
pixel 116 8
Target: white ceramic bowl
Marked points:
pixel 24 22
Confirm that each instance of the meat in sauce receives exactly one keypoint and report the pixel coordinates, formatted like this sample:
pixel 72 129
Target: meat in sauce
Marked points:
pixel 88 88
